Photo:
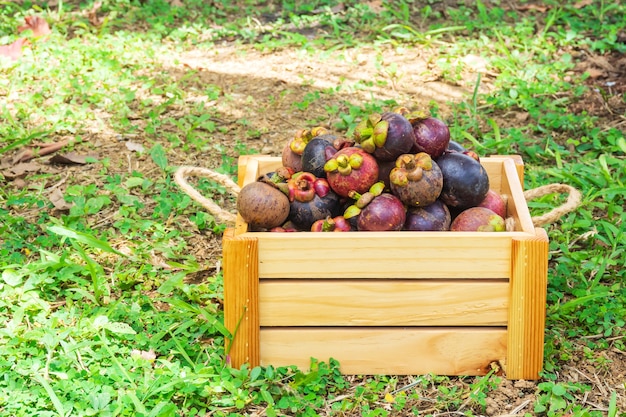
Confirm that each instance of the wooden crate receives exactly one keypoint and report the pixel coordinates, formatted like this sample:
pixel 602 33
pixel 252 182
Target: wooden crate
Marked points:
pixel 397 303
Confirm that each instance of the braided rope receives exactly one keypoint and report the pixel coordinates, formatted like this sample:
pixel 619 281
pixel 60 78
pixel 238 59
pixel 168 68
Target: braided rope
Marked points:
pixel 180 177
pixel 573 201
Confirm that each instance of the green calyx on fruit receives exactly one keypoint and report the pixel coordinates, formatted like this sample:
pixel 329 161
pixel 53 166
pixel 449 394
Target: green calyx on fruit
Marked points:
pixel 362 200
pixel 412 115
pixel 410 168
pixel 344 164
pixel 371 132
pixel 304 136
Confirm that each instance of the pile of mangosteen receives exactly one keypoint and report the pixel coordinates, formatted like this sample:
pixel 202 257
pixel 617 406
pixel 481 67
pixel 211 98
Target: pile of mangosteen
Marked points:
pixel 398 171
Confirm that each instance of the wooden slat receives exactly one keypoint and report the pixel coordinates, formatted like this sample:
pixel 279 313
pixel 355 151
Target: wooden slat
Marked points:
pixel 528 306
pixel 383 303
pixel 241 298
pixel 385 254
pixel 516 203
pixel 391 351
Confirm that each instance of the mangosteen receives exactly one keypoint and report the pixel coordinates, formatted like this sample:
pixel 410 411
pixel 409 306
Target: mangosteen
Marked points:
pixel 316 152
pixel 465 180
pixel 310 199
pixel 434 217
pixel 386 136
pixel 416 180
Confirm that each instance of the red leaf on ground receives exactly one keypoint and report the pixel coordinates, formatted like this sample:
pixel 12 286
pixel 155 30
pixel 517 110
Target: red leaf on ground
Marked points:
pixel 13 50
pixel 37 24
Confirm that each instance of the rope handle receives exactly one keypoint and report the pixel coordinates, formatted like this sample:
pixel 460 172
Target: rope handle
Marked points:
pixel 180 177
pixel 573 201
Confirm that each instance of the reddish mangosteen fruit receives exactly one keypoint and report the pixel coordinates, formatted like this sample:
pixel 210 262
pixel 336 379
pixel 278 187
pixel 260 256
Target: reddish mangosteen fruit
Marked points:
pixel 351 169
pixel 432 135
pixel 311 199
pixel 331 224
pixel 495 202
pixel 292 152
pixel 465 180
pixel 434 217
pixel 375 210
pixel 478 219
pixel 416 180
pixel 262 205
pixel 386 136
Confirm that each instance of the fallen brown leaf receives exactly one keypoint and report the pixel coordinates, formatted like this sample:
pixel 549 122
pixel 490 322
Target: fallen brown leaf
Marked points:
pixel 136 147
pixel 13 50
pixel 595 73
pixel 58 200
pixel 92 14
pixel 45 149
pixel 526 7
pixel 20 170
pixel 37 24
pixel 582 3
pixel 70 159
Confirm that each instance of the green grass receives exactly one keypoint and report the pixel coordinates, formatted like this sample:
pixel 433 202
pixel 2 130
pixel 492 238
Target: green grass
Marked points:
pixel 105 311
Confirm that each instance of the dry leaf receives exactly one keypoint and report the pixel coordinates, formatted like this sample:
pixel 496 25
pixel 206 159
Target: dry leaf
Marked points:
pixel 526 7
pixel 176 3
pixel 375 5
pixel 39 150
pixel 58 200
pixel 13 50
pixel 147 355
pixel 595 73
pixel 582 3
pixel 20 170
pixel 92 14
pixel 37 24
pixel 136 147
pixel 70 159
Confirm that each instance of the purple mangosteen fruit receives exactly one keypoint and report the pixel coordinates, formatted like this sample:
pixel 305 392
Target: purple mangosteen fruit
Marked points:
pixel 376 210
pixel 292 151
pixel 465 180
pixel 416 180
pixel 434 217
pixel 455 146
pixel 310 199
pixel 432 135
pixel 386 136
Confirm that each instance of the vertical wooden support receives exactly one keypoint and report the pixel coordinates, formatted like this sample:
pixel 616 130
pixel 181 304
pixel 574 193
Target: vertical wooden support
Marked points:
pixel 241 298
pixel 527 306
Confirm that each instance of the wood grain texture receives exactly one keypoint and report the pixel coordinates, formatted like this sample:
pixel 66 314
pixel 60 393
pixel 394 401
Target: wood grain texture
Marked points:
pixel 383 303
pixel 385 255
pixel 241 297
pixel 390 351
pixel 516 203
pixel 527 307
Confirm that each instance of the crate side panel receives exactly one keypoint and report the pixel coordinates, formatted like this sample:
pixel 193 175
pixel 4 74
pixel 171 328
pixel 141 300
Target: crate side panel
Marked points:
pixel 385 254
pixel 390 351
pixel 383 303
